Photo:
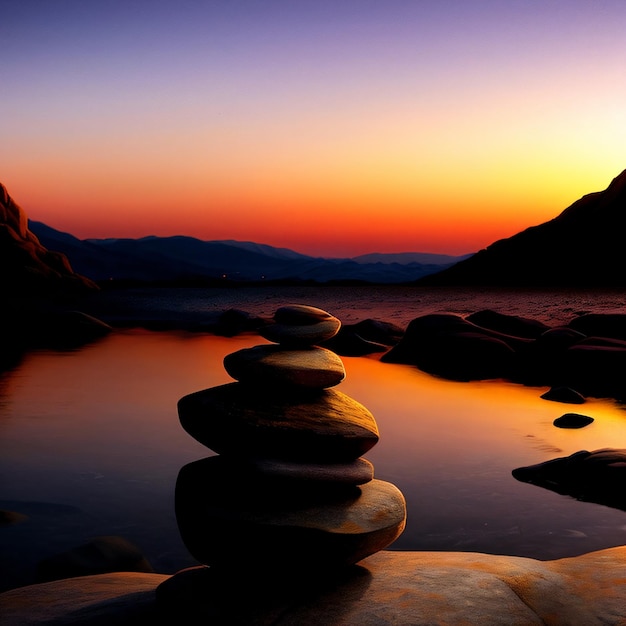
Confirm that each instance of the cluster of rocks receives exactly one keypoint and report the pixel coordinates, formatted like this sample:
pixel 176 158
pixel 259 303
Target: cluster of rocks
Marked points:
pixel 289 489
pixel 587 355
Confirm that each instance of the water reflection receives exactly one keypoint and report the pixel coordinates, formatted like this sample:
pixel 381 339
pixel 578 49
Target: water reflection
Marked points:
pixel 96 431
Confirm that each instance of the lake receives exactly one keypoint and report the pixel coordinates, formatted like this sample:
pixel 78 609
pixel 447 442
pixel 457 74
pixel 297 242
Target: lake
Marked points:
pixel 90 442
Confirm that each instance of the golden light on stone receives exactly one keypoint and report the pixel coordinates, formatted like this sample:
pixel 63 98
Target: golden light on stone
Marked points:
pixel 289 488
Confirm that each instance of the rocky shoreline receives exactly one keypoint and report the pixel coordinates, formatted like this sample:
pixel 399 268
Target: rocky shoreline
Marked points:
pixel 583 358
pixel 403 588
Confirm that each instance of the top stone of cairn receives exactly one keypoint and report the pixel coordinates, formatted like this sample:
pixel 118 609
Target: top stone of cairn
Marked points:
pixel 301 325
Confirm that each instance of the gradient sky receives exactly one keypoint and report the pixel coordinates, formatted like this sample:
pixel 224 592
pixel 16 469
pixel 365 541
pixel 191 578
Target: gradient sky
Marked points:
pixel 332 127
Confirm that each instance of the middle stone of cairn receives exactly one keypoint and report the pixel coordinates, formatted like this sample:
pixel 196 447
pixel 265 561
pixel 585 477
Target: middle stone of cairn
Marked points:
pixel 288 488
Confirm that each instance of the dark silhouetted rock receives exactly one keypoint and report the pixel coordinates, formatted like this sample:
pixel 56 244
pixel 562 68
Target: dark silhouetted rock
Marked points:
pixel 582 247
pixel 240 518
pixel 26 267
pixel 366 337
pixel 563 394
pixel 449 346
pixel 508 324
pixel 378 331
pixel 601 325
pixel 573 420
pixel 596 368
pixel 348 343
pixel 559 338
pixel 598 476
pixel 315 368
pixel 356 472
pixel 304 426
pixel 102 555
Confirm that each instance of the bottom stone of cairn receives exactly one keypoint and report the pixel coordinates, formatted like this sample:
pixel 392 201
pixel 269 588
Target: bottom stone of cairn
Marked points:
pixel 228 515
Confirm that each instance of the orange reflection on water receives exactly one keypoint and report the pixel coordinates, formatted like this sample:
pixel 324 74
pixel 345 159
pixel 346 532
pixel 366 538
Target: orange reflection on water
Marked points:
pixel 476 420
pixel 98 429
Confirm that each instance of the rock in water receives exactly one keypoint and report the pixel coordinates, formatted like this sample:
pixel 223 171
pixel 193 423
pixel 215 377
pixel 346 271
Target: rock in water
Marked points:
pixel 563 394
pixel 573 420
pixel 598 476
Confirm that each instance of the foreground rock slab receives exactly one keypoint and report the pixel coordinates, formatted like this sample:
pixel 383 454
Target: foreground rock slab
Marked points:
pixel 121 598
pixel 400 588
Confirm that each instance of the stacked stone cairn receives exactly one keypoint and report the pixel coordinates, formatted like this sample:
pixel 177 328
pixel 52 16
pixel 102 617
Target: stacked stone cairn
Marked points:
pixel 288 487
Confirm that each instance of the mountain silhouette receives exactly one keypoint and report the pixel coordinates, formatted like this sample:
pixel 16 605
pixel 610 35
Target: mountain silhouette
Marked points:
pixel 179 258
pixel 27 266
pixel 584 246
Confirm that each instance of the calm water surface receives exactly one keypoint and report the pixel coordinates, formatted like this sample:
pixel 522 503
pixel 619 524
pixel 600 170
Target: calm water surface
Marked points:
pixel 90 442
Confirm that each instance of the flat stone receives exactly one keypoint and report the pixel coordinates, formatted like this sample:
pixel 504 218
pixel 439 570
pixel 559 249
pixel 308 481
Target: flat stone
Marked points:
pixel 301 325
pixel 121 598
pixel 299 314
pixel 225 520
pixel 356 472
pixel 303 335
pixel 401 588
pixel 301 425
pixel 572 420
pixel 317 368
pixel 514 325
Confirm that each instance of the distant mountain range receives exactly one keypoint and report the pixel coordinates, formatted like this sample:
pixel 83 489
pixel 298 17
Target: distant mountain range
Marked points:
pixel 159 259
pixel 584 246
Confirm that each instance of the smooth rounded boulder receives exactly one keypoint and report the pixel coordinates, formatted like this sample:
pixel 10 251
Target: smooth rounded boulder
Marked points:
pixel 301 325
pixel 597 476
pixel 572 420
pixel 315 368
pixel 240 519
pixel 300 425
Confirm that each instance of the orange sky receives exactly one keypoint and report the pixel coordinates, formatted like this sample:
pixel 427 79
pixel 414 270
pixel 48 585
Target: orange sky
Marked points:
pixel 331 129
